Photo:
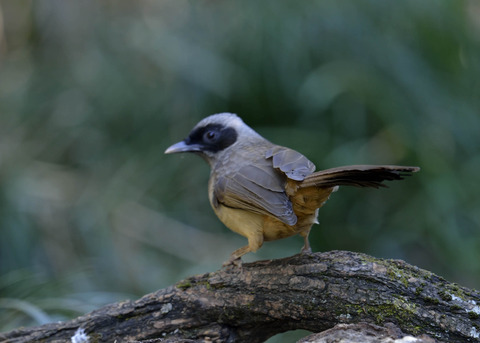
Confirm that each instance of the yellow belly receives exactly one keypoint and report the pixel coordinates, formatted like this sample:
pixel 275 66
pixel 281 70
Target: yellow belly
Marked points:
pixel 251 225
pixel 242 222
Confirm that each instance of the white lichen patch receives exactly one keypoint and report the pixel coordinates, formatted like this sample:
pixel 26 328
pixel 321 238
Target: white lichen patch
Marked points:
pixel 475 309
pixel 454 297
pixel 166 308
pixel 469 306
pixel 406 339
pixel 80 336
pixel 474 333
pixel 344 317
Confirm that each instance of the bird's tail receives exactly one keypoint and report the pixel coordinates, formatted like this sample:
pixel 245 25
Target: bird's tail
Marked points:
pixel 311 193
pixel 357 175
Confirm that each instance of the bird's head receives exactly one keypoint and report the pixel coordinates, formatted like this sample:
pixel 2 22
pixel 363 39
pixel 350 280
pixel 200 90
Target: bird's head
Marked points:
pixel 213 135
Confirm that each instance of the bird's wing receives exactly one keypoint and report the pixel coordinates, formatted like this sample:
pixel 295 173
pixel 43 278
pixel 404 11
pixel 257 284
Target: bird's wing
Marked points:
pixel 258 188
pixel 292 163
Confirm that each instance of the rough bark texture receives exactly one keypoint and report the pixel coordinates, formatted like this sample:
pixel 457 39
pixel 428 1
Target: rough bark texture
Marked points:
pixel 364 333
pixel 252 303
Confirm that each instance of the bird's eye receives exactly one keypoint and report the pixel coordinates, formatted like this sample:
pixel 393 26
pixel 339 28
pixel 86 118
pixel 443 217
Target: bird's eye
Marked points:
pixel 210 136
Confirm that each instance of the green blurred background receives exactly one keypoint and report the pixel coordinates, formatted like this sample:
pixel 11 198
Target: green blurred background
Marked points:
pixel 92 92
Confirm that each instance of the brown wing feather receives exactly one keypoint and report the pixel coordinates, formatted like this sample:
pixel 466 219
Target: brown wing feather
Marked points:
pixel 292 163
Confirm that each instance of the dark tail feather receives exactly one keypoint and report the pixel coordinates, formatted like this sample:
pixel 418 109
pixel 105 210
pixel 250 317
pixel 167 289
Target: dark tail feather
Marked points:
pixel 359 176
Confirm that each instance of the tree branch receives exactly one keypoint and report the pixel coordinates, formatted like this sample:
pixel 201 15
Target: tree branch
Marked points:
pixel 252 303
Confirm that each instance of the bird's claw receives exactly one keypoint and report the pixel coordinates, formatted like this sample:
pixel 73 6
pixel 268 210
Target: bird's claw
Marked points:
pixel 232 263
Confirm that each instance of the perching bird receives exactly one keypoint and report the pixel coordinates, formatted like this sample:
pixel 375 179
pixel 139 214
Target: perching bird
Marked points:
pixel 264 191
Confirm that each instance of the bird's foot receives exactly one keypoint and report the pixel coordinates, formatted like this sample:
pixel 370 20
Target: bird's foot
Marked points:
pixel 232 262
pixel 306 250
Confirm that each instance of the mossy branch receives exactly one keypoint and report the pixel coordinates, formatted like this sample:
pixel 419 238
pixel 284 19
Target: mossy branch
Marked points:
pixel 252 303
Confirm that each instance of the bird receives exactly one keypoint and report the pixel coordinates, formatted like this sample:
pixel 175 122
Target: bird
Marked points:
pixel 265 191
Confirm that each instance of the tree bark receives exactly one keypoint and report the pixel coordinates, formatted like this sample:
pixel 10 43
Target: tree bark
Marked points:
pixel 364 333
pixel 251 303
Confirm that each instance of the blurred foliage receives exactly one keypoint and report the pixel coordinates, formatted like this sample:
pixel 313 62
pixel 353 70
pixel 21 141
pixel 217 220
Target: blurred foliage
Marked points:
pixel 92 92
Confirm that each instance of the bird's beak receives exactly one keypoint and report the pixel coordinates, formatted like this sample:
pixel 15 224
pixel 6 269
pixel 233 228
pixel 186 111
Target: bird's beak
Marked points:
pixel 182 147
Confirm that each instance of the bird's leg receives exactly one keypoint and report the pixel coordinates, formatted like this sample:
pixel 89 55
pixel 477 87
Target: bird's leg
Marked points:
pixel 236 257
pixel 306 249
pixel 255 241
